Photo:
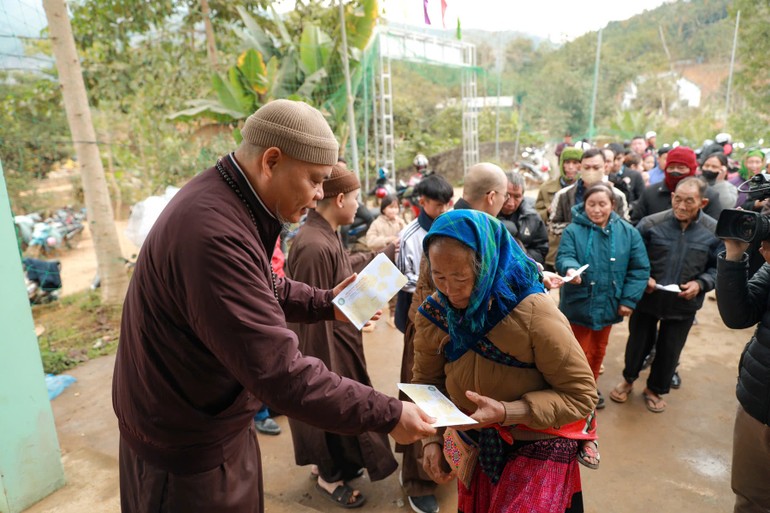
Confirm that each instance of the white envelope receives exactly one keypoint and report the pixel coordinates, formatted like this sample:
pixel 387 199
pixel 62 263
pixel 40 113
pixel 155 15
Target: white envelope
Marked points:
pixel 568 279
pixel 435 404
pixel 374 286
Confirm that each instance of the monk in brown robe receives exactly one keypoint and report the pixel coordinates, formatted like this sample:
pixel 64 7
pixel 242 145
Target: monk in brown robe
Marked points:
pixel 204 342
pixel 318 258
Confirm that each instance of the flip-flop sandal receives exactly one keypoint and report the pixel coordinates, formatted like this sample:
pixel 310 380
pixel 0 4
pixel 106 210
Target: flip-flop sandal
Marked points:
pixel 589 450
pixel 653 404
pixel 341 496
pixel 620 396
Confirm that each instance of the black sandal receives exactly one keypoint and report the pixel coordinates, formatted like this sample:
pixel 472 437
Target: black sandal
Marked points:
pixel 341 496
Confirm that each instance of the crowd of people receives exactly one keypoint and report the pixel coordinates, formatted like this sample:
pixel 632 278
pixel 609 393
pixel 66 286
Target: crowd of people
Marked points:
pixel 213 334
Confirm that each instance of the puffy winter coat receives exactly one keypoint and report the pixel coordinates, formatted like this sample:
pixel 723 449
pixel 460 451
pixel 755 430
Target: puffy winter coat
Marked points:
pixel 618 269
pixel 744 303
pixel 560 388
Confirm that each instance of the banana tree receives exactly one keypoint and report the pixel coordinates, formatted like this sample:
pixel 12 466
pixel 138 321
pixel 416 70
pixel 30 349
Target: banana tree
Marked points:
pixel 277 66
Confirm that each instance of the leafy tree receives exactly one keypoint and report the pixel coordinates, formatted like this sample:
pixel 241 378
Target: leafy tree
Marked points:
pixel 277 65
pixel 752 79
pixel 34 133
pixel 100 213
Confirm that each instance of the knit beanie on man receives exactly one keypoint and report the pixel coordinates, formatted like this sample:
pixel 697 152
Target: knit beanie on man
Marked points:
pixel 684 156
pixel 569 153
pixel 296 128
pixel 341 181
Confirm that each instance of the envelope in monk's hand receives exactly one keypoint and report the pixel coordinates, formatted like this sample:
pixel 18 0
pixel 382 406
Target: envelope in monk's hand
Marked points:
pixel 374 286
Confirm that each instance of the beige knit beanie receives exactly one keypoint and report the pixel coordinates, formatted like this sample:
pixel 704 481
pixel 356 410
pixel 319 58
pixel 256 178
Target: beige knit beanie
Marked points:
pixel 341 181
pixel 295 128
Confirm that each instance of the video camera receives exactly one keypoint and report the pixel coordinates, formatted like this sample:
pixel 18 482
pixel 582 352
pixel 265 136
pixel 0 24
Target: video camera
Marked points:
pixel 745 225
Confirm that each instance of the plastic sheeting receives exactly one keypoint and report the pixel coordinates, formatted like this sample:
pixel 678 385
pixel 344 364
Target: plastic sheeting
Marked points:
pixel 57 383
pixel 145 213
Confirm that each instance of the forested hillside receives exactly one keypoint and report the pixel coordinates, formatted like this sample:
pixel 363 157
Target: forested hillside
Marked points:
pixel 693 39
pixel 687 39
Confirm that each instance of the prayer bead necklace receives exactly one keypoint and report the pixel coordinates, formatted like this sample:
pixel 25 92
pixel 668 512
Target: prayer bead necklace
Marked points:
pixel 234 186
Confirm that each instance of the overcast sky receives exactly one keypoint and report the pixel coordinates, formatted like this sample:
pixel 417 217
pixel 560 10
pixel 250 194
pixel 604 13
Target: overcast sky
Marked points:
pixel 557 20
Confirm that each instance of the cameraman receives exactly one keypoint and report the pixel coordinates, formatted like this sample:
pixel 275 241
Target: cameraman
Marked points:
pixel 744 302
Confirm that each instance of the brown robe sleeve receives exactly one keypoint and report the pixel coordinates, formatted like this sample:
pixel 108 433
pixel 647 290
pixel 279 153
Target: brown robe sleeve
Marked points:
pixel 244 327
pixel 303 303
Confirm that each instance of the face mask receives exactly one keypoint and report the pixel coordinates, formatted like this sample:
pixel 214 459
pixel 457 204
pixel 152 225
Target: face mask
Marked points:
pixel 591 177
pixel 676 174
pixel 710 176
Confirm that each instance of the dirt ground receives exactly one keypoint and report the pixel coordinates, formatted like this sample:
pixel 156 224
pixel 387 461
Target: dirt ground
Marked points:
pixel 79 263
pixel 674 461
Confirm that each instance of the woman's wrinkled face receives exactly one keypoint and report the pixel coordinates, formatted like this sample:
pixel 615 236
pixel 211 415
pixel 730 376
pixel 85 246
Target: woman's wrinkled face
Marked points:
pixel 598 208
pixel 451 266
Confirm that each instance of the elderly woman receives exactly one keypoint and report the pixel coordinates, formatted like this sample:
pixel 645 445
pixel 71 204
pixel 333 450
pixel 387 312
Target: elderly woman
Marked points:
pixel 497 345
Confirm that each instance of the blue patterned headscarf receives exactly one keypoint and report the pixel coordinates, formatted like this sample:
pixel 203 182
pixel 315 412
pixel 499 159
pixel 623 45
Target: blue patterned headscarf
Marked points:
pixel 507 275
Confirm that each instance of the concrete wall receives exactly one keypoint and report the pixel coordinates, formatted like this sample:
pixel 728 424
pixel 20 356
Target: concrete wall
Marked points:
pixel 30 459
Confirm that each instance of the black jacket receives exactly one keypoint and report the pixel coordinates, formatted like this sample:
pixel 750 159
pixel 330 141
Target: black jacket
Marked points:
pixel 528 228
pixel 657 198
pixel 629 182
pixel 676 257
pixel 743 303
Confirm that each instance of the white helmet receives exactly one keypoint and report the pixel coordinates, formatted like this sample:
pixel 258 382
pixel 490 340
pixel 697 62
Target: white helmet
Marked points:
pixel 722 138
pixel 420 161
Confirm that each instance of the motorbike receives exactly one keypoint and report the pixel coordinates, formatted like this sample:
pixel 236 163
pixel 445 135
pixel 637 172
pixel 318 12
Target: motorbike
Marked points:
pixel 70 223
pixel 63 229
pixel 533 165
pixel 354 235
pixel 382 186
pixel 406 193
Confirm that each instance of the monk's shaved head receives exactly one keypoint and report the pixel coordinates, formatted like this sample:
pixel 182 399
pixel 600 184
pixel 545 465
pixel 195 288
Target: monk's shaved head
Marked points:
pixel 481 179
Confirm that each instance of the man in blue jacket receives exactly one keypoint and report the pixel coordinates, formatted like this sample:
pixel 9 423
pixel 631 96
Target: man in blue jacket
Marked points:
pixel 682 249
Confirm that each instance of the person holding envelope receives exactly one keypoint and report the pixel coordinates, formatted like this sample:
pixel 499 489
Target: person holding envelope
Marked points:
pixel 608 289
pixel 317 257
pixel 495 343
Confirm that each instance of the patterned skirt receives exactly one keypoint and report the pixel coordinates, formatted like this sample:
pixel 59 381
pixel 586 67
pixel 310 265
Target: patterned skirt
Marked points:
pixel 539 477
